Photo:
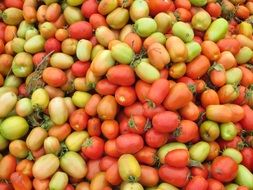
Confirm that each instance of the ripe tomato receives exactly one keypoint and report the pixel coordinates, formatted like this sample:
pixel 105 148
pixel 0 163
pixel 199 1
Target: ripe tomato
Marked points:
pixel 142 89
pixel 106 162
pixel 54 77
pixel 178 177
pixel 134 109
pixel 178 158
pixel 247 121
pixel 150 111
pixel 93 148
pixel 224 168
pixel 94 126
pixel 209 97
pixel 111 148
pixel 146 155
pixel 190 112
pixel 187 131
pixel 165 122
pixel 89 7
pixel 93 168
pixel 105 87
pixel 200 171
pixel 197 182
pixel 149 176
pixel 126 146
pixel 247 154
pixel 157 6
pixel 110 129
pixel 20 181
pixel 138 124
pixel 80 68
pixel 214 184
pixel 125 96
pixel 7 166
pixel 112 174
pixel 78 119
pixel 91 105
pixel 155 139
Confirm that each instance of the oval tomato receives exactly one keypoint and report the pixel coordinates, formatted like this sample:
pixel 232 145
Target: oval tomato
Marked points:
pixel 155 139
pixel 178 158
pixel 197 182
pixel 93 148
pixel 125 146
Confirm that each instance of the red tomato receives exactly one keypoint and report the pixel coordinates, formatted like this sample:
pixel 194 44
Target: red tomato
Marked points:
pixel 157 6
pixel 236 143
pixel 110 129
pixel 80 68
pixel 200 171
pixel 142 89
pixel 125 96
pixel 91 105
pixel 224 168
pixel 197 182
pixel 126 146
pixel 78 119
pixel 80 30
pixel 229 44
pixel 214 184
pixel 38 57
pixel 20 181
pixel 165 122
pixel 25 167
pixel 147 155
pixel 138 124
pixel 187 131
pixel 97 20
pixel 247 121
pixel 89 7
pixel 247 154
pixel 17 4
pixel 60 131
pixel 183 4
pixel 93 148
pixel 52 44
pixel 155 139
pixel 105 87
pixel 7 166
pixel 93 168
pixel 149 176
pixel 112 174
pixel 123 125
pixel 158 91
pixel 134 109
pixel 94 126
pixel 111 149
pixel 178 158
pixel 106 162
pixel 183 14
pixel 150 111
pixel 178 177
pixel 54 77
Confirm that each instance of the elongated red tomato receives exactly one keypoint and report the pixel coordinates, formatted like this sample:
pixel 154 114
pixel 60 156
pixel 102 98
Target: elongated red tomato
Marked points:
pixel 158 91
pixel 138 124
pixel 214 184
pixel 142 89
pixel 178 177
pixel 165 122
pixel 155 139
pixel 187 131
pixel 150 111
pixel 178 158
pixel 247 154
pixel 78 119
pixel 125 96
pixel 127 146
pixel 134 109
pixel 178 97
pixel 105 87
pixel 197 182
pixel 198 67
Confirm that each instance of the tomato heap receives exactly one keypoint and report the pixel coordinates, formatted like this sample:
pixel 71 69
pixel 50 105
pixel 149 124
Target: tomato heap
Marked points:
pixel 126 94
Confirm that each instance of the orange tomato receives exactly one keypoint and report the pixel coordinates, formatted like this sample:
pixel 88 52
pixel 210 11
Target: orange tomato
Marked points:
pixel 91 106
pixel 39 184
pixel 7 166
pixel 190 111
pixel 198 67
pixel 20 181
pixel 217 75
pixel 149 176
pixel 134 41
pixel 112 174
pixel 209 97
pixel 30 14
pixel 25 167
pixel 60 131
pixel 227 59
pixel 10 33
pixel 210 50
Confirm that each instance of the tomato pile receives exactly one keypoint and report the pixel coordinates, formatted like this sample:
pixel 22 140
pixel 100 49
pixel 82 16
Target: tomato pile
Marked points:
pixel 126 94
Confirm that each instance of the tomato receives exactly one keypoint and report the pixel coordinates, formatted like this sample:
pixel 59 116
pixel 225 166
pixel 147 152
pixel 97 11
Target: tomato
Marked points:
pixel 80 30
pixel 93 148
pixel 157 6
pixel 93 168
pixel 178 97
pixel 8 166
pixel 5 186
pixel 125 96
pixel 78 119
pixel 196 70
pixel 125 146
pixel 214 9
pixel 73 165
pixel 165 122
pixel 60 131
pixel 219 113
pixel 178 158
pixel 146 155
pixel 134 109
pixel 142 89
pixel 112 174
pixel 227 59
pixel 122 75
pixel 158 91
pixel 186 131
pixel 229 44
pixel 129 168
pixel 197 182
pixel 80 68
pixel 20 181
pixel 190 111
pixel 247 76
pixel 149 176
pixel 89 7
pixel 236 143
pixel 174 176
pixel 224 168
pixel 145 26
pixel 209 131
pixel 247 120
pixel 244 177
pixel 214 184
pixel 110 129
pixel 138 124
pixel 155 139
pixel 247 154
pixel 200 171
pixel 105 87
pixel 210 50
pixel 134 41
pixel 195 149
pixel 107 108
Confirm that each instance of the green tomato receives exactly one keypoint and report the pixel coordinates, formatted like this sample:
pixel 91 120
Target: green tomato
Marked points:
pixel 24 107
pixel 72 14
pixel 167 186
pixel 80 99
pixel 118 18
pixel 244 55
pixel 198 3
pixel 58 110
pixel 199 151
pixel 201 21
pixel 209 131
pixel 14 127
pixel 18 44
pixel 75 140
pixel 75 2
pixel 244 177
pixel 233 76
pixel 122 53
pixel 8 101
pixel 12 81
pixel 40 98
pixel 228 131
pixel 23 28
pixel 3 142
pixel 231 186
pixel 193 49
pixel 35 44
pixel 138 9
pixel 144 27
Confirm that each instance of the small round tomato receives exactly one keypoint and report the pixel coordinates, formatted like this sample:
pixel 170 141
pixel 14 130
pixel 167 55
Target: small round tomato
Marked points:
pixel 110 129
pixel 125 96
pixel 224 168
pixel 80 68
pixel 93 148
pixel 149 176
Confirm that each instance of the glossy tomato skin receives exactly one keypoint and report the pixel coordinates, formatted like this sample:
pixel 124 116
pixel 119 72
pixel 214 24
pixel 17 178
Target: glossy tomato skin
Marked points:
pixel 125 96
pixel 138 124
pixel 247 121
pixel 187 131
pixel 106 162
pixel 111 148
pixel 149 176
pixel 197 182
pixel 157 6
pixel 78 120
pixel 149 111
pixel 247 154
pixel 94 126
pixel 126 146
pixel 178 177
pixel 134 109
pixel 142 89
pixel 165 122
pixel 105 87
pixel 93 148
pixel 214 184
pixel 155 139
pixel 200 171
pixel 178 158
pixel 146 155
pixel 224 168
pixel 80 68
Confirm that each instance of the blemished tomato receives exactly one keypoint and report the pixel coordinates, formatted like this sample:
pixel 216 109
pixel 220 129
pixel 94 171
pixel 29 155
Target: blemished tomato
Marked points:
pixel 93 148
pixel 125 96
pixel 155 139
pixel 178 158
pixel 112 174
pixel 125 146
pixel 25 167
pixel 178 177
pixel 224 168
